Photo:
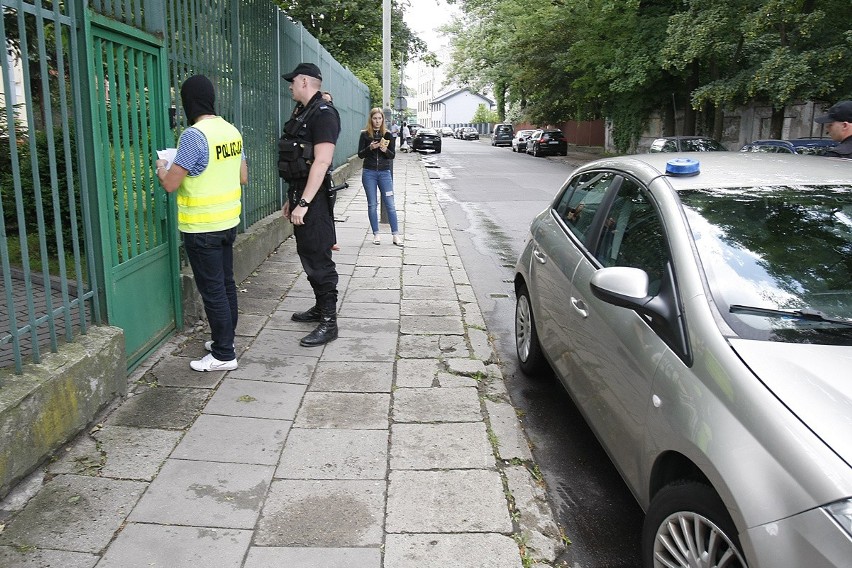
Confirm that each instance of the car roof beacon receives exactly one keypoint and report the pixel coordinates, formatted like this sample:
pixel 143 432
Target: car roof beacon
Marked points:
pixel 682 167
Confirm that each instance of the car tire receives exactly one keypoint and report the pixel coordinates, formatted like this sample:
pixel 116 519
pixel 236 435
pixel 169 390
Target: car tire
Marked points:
pixel 687 518
pixel 438 150
pixel 530 356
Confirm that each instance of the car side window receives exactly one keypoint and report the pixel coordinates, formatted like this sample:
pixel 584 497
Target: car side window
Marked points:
pixel 633 235
pixel 581 200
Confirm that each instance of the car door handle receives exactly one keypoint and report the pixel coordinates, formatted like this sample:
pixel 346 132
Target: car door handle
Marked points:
pixel 580 306
pixel 539 256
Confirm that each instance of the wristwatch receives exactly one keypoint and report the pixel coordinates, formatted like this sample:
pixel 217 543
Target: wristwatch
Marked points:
pixel 303 203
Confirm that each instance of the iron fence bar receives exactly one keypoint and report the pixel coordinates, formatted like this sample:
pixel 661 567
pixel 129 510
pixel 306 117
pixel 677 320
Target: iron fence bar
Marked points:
pixel 22 231
pixel 32 10
pixel 122 147
pixel 116 180
pixel 52 315
pixel 140 190
pixel 147 155
pixel 83 169
pixel 54 182
pixel 69 182
pixel 4 246
pixel 100 87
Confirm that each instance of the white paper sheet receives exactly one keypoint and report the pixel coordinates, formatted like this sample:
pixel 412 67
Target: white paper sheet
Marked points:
pixel 168 154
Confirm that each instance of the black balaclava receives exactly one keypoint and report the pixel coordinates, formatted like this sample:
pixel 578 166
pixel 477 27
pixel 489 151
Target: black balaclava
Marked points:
pixel 198 97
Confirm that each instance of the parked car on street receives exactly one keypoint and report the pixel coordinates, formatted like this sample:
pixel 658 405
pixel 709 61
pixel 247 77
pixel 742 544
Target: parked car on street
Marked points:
pixel 544 142
pixel 469 133
pixel 446 131
pixel 699 313
pixel 426 139
pixel 519 142
pixel 686 144
pixel 502 135
pixel 807 146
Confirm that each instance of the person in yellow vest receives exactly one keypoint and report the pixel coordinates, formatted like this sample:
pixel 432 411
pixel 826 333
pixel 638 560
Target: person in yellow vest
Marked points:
pixel 207 173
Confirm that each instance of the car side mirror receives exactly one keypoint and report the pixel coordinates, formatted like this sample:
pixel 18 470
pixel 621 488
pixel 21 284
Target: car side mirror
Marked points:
pixel 621 286
pixel 627 287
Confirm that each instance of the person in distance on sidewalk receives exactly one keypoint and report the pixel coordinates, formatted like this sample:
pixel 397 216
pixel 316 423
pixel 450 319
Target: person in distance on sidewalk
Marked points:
pixel 377 147
pixel 207 173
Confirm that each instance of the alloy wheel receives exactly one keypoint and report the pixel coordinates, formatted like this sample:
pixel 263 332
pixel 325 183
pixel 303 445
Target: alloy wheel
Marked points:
pixel 689 540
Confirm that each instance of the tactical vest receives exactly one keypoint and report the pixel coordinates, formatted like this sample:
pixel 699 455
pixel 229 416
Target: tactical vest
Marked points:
pixel 295 153
pixel 210 201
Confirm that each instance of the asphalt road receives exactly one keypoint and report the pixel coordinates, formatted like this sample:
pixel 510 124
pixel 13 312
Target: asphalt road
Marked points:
pixel 489 196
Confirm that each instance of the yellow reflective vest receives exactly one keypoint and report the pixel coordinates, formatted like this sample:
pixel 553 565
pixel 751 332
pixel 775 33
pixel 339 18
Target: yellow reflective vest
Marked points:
pixel 210 201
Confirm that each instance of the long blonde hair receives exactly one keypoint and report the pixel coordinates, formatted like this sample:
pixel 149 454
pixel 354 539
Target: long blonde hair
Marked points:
pixel 371 132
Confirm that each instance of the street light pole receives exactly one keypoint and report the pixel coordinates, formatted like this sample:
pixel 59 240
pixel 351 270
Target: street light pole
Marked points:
pixel 386 51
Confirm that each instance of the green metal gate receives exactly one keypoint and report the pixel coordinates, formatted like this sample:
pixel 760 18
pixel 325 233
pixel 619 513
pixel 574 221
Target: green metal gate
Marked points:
pixel 136 217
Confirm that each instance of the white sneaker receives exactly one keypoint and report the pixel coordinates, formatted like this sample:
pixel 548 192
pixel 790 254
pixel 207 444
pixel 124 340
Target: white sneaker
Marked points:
pixel 211 363
pixel 397 240
pixel 208 345
pixel 377 240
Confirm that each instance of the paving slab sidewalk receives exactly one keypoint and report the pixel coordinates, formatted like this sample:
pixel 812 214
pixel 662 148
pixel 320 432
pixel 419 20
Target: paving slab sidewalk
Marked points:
pixel 394 446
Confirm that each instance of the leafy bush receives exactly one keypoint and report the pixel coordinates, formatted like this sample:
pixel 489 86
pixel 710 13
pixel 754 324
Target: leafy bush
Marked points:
pixel 28 181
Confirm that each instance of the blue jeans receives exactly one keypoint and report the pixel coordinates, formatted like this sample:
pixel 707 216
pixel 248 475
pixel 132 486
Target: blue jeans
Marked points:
pixel 374 181
pixel 211 256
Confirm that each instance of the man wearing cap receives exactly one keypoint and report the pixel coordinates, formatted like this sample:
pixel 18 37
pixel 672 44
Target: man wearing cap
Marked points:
pixel 306 151
pixel 838 125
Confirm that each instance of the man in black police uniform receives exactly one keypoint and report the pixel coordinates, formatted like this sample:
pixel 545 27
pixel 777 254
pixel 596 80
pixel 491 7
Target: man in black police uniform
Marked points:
pixel 306 150
pixel 838 124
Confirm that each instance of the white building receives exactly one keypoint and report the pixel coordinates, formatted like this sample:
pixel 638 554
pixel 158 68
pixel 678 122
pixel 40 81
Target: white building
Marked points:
pixel 457 107
pixel 429 82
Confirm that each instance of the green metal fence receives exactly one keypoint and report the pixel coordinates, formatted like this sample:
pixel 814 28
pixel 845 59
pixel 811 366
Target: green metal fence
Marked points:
pixel 61 180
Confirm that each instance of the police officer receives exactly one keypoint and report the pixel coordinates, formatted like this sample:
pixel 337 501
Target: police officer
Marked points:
pixel 306 150
pixel 207 172
pixel 838 124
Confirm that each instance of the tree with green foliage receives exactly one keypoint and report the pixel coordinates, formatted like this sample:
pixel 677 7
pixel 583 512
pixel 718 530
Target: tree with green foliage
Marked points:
pixel 776 52
pixel 633 59
pixel 484 116
pixel 351 31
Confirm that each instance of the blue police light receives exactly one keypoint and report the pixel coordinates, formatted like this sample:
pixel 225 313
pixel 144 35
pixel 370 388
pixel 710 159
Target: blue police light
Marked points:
pixel 682 167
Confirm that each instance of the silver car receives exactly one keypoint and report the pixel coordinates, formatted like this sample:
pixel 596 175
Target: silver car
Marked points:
pixel 698 309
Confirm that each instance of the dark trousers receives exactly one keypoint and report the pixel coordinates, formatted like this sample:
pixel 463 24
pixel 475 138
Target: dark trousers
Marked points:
pixel 211 256
pixel 313 244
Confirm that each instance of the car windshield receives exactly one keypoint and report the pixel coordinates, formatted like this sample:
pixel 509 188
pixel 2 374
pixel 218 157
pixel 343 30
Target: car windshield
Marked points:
pixel 778 260
pixel 701 145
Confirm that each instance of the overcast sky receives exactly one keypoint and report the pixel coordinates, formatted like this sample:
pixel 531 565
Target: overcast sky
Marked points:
pixel 424 16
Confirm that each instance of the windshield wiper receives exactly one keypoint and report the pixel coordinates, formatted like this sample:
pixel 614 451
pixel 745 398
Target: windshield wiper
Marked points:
pixel 802 314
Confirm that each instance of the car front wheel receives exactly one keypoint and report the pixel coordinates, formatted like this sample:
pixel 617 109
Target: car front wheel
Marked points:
pixel 688 526
pixel 530 358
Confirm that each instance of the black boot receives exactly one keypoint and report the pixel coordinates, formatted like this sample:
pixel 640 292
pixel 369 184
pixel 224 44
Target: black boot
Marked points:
pixel 313 314
pixel 327 329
